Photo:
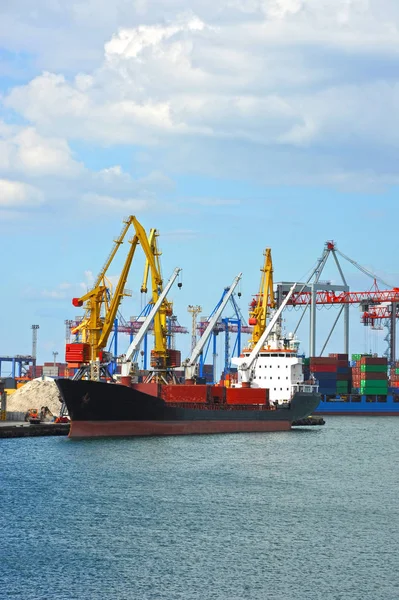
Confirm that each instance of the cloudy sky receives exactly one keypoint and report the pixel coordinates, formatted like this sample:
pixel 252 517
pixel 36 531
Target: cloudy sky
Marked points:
pixel 229 126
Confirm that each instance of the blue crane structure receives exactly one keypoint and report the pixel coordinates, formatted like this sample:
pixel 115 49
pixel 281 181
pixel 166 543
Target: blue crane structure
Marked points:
pixel 19 364
pixel 227 325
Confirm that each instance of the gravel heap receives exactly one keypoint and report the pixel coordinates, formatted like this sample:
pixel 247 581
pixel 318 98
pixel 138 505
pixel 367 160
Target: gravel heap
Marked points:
pixel 35 394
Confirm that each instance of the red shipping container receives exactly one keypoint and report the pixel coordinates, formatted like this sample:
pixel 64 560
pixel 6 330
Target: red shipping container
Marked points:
pixel 339 356
pixel 321 360
pixel 247 395
pixel 186 393
pixel 77 353
pixel 343 363
pixel 323 368
pixel 373 361
pixel 379 376
pixel 343 377
pixel 174 358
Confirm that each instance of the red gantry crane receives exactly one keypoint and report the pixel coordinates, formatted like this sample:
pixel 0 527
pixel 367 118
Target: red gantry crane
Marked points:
pixel 317 292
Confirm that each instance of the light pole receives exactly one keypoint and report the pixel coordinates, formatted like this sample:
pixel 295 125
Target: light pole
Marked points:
pixel 34 349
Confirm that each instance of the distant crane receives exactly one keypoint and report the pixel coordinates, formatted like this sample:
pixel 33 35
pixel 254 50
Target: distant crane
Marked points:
pixel 227 325
pixel 316 292
pixel 194 310
pixel 190 364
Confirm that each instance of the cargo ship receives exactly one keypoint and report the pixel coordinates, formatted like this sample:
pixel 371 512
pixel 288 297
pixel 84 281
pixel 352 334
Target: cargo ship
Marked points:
pixel 359 405
pixel 100 409
pixel 357 387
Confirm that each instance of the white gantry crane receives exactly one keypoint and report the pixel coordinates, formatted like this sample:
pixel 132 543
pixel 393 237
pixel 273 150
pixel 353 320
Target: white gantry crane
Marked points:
pixel 190 364
pixel 136 343
pixel 246 367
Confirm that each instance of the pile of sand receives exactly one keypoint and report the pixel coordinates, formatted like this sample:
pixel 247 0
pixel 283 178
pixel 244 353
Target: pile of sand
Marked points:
pixel 35 394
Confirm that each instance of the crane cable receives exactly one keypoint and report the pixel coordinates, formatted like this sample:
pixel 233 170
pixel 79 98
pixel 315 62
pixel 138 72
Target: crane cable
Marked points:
pixel 363 269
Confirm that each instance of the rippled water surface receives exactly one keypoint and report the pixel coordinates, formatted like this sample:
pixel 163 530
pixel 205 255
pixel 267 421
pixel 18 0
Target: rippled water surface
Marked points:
pixel 301 515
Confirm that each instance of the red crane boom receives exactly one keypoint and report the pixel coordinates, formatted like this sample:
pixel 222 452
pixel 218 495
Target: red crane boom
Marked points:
pixel 325 297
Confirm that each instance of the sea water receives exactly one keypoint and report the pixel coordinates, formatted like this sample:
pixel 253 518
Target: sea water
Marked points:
pixel 307 514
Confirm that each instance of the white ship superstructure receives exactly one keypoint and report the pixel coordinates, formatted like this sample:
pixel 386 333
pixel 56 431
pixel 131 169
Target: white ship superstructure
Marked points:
pixel 278 368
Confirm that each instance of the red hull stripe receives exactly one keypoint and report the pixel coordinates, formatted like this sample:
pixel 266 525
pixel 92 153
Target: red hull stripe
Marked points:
pixel 84 429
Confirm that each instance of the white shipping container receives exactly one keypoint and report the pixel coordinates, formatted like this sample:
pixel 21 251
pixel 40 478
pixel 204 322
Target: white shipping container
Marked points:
pixel 50 371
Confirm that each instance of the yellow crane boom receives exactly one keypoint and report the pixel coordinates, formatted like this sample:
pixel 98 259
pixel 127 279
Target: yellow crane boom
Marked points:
pixel 101 308
pixel 265 299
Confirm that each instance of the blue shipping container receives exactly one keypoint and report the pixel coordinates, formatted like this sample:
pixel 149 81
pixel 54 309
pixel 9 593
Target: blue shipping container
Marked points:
pixel 321 376
pixel 327 383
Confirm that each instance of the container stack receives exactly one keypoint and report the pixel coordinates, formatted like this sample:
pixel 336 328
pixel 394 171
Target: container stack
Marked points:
pixel 394 377
pixel 369 376
pixel 325 371
pixel 332 372
pixel 343 373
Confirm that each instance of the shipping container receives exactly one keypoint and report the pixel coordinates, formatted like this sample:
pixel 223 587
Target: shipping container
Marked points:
pixel 373 361
pixel 77 353
pixel 174 358
pixel 199 394
pixel 343 377
pixel 245 396
pixel 322 360
pixel 373 376
pixel 321 376
pixel 373 368
pixel 50 371
pixel 343 388
pixel 317 368
pixel 371 386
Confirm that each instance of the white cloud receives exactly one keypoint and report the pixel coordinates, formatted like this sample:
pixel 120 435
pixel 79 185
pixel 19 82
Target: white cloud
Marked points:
pixel 63 291
pixel 278 74
pixel 123 205
pixel 15 194
pixel 24 150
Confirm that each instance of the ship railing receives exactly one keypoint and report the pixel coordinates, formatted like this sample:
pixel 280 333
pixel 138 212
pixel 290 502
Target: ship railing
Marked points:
pixel 309 388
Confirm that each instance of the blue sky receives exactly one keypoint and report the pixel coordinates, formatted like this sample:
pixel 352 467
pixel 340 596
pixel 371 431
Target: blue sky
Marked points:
pixel 228 127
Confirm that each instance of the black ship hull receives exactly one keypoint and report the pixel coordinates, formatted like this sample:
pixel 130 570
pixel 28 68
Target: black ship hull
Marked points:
pixel 102 409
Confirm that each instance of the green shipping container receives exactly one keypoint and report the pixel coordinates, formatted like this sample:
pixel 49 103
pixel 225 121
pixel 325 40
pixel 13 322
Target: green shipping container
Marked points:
pixel 380 383
pixel 343 389
pixel 374 368
pixel 373 390
pixel 356 356
pixel 396 371
pixel 374 393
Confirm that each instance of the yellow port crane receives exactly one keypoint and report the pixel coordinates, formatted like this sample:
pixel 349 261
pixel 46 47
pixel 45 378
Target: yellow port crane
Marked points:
pixel 260 305
pixel 160 352
pixel 102 305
